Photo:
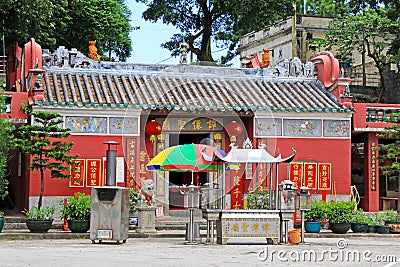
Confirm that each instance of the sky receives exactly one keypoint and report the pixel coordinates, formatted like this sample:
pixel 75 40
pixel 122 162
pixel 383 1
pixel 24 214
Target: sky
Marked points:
pixel 147 40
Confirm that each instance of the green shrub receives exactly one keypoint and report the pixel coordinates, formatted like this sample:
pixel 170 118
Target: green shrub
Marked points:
pixel 318 211
pixel 134 195
pixel 1 213
pixel 77 207
pixel 258 199
pixel 44 213
pixel 360 217
pixel 340 211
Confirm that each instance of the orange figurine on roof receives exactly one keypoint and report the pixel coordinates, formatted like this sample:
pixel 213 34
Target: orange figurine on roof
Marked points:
pixel 93 51
pixel 265 59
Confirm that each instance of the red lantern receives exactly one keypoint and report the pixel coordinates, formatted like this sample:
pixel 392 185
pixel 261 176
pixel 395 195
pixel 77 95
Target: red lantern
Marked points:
pixel 234 129
pixel 153 129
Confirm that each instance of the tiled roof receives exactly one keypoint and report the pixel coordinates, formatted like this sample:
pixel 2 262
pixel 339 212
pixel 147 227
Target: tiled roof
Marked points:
pixel 185 88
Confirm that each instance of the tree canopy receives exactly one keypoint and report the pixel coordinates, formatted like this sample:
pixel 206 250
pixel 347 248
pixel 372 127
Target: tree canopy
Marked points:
pixel 71 23
pixel 369 32
pixel 44 141
pixel 201 22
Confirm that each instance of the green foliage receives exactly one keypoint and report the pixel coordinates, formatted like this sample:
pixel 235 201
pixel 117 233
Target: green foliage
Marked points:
pixel 77 207
pixel 201 22
pixel 6 142
pixel 389 152
pixel 258 199
pixel 134 195
pixel 71 23
pixel 360 217
pixel 392 215
pixel 369 33
pixel 318 211
pixel 42 213
pixel 1 213
pixel 340 211
pixel 43 140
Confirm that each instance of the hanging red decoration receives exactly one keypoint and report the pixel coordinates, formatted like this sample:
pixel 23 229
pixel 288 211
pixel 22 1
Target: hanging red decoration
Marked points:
pixel 234 129
pixel 153 129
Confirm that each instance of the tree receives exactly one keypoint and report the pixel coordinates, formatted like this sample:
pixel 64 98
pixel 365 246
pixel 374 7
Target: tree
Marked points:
pixel 391 152
pixel 106 21
pixel 368 33
pixel 201 22
pixel 6 142
pixel 44 141
pixel 71 23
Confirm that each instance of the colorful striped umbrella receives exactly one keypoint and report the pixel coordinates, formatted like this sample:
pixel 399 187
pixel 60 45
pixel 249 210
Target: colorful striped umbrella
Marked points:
pixel 187 157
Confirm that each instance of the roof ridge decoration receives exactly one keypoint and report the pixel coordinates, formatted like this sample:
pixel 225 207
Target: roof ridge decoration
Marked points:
pixel 64 60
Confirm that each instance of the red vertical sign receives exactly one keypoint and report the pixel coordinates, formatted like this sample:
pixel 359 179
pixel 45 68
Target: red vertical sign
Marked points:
pixel 131 156
pixel 296 173
pixel 77 171
pixel 310 175
pixel 324 176
pixel 236 191
pixel 93 172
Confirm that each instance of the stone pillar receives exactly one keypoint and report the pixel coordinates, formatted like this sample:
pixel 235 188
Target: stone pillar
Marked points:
pixel 146 220
pixel 371 173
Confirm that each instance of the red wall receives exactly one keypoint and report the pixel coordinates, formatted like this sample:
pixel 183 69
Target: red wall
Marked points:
pixel 88 147
pixel 335 151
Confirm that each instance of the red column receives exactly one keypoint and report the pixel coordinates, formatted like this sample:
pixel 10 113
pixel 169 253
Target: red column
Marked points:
pixel 371 173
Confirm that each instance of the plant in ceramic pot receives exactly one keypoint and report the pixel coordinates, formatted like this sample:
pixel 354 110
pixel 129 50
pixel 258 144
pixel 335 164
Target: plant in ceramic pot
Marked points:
pixel 340 214
pixel 1 220
pixel 371 225
pixel 39 220
pixel 77 210
pixel 314 216
pixel 381 228
pixel 359 223
pixel 392 219
pixel 134 196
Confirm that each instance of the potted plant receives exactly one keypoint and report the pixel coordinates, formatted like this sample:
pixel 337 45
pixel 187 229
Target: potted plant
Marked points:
pixel 381 228
pixel 392 219
pixel 315 216
pixel 371 225
pixel 359 223
pixel 134 195
pixel 1 220
pixel 340 214
pixel 77 210
pixel 39 220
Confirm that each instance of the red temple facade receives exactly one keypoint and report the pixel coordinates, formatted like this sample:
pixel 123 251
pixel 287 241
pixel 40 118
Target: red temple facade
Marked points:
pixel 147 108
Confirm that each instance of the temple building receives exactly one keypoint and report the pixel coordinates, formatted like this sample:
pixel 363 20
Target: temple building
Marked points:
pixel 148 108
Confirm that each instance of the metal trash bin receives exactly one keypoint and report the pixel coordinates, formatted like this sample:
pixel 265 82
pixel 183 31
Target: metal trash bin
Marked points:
pixel 109 214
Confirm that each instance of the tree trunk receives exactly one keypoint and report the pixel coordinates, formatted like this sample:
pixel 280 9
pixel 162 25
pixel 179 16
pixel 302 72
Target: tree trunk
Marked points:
pixel 41 187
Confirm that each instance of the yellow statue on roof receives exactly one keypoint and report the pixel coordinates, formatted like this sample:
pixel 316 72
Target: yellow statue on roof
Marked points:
pixel 93 51
pixel 265 59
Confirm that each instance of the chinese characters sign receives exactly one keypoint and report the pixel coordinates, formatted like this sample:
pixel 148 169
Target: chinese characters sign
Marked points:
pixel 296 173
pixel 310 175
pixel 77 173
pixel 373 167
pixel 324 176
pixel 93 172
pixel 188 124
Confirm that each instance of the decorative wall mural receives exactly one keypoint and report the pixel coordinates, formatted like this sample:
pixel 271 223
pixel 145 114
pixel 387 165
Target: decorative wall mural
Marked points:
pixel 124 125
pixel 268 127
pixel 337 128
pixel 83 124
pixel 303 127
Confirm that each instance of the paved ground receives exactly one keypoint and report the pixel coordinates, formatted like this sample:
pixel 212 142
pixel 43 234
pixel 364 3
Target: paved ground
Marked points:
pixel 365 251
